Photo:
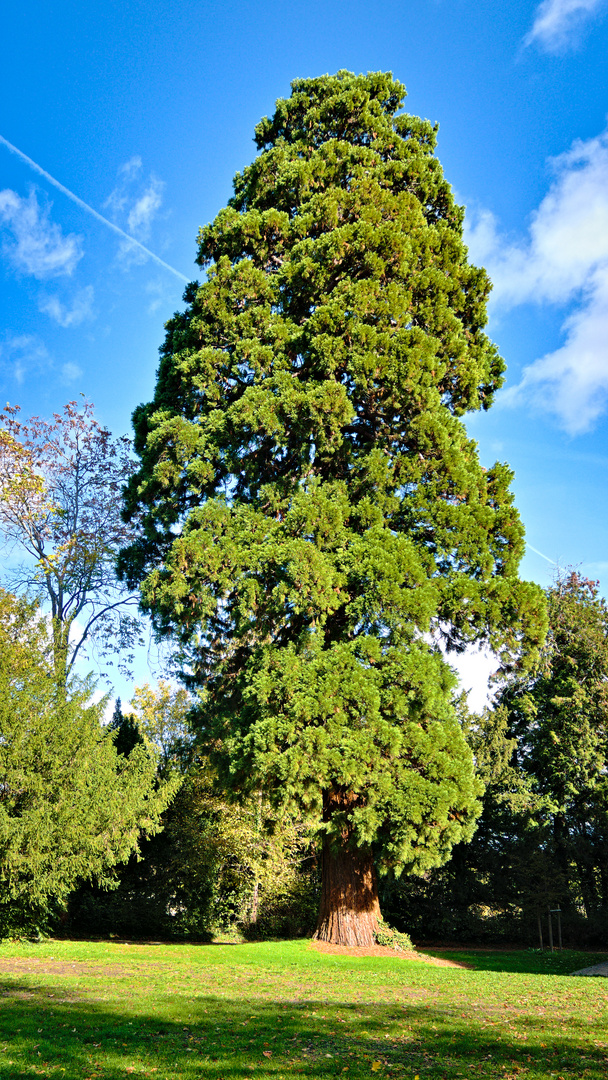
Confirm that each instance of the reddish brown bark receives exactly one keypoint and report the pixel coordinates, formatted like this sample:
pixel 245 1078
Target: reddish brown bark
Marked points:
pixel 349 909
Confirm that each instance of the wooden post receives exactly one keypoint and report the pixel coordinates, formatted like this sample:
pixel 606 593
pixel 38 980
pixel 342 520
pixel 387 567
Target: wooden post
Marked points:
pixel 540 930
pixel 559 927
pixel 256 884
pixel 550 930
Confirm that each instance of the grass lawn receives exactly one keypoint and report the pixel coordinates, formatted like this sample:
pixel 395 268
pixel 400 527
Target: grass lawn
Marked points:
pixel 281 1010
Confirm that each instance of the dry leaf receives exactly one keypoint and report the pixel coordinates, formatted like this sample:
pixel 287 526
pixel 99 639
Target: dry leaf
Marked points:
pixel 376 1065
pixel 267 1053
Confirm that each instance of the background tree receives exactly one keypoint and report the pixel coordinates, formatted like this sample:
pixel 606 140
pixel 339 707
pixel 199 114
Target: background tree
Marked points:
pixel 313 519
pixel 125 730
pixel 60 497
pixel 542 753
pixel 71 808
pixel 495 887
pixel 213 861
pixel 559 717
pixel 161 716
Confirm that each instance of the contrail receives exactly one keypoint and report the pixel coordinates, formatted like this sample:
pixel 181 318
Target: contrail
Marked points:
pixel 89 209
pixel 537 552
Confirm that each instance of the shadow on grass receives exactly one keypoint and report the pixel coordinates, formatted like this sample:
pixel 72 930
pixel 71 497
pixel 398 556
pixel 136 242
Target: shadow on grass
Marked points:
pixel 65 1032
pixel 523 961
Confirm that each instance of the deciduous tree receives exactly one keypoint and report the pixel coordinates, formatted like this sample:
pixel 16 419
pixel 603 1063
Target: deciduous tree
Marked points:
pixel 313 518
pixel 161 715
pixel 60 499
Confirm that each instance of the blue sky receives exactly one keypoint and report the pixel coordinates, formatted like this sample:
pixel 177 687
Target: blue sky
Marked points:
pixel 145 110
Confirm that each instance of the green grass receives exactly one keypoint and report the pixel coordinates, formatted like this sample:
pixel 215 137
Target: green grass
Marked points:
pixel 281 1010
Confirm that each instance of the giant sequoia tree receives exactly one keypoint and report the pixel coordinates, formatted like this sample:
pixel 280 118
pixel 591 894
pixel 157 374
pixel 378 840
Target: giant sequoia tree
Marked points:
pixel 314 523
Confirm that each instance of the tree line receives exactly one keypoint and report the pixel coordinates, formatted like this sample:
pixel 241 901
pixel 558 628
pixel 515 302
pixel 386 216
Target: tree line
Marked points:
pixel 310 529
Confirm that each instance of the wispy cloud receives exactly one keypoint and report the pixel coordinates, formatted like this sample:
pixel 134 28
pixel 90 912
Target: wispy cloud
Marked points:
pixel 558 23
pixel 70 372
pixel 31 241
pixel 73 314
pixel 563 260
pixel 135 203
pixel 23 356
pixel 145 208
pixel 159 295
pixel 127 173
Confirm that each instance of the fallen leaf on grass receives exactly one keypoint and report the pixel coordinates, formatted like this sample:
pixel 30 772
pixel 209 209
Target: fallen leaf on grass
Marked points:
pixel 376 1065
pixel 267 1053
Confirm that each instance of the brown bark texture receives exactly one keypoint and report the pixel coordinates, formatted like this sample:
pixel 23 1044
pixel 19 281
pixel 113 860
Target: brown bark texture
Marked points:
pixel 349 910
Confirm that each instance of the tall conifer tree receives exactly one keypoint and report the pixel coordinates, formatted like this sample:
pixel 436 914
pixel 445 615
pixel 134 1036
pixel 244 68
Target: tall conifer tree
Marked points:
pixel 314 521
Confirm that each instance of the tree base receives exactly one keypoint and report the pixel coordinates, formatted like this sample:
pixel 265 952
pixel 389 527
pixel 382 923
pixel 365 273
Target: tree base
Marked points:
pixel 348 928
pixel 349 909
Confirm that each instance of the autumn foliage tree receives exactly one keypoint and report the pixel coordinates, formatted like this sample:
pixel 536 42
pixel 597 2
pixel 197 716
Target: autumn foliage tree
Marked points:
pixel 60 497
pixel 314 523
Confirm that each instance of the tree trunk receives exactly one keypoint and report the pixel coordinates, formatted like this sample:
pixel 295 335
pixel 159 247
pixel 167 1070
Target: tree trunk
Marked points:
pixel 254 903
pixel 349 909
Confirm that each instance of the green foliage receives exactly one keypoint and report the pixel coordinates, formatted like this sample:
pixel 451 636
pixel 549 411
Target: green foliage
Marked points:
pixel 215 865
pixel 70 807
pixel 392 939
pixel 198 875
pixel 125 731
pixel 162 717
pixel 542 837
pixel 313 518
pixel 559 717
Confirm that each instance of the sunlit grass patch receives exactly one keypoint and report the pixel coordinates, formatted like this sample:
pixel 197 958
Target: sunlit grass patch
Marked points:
pixel 282 1010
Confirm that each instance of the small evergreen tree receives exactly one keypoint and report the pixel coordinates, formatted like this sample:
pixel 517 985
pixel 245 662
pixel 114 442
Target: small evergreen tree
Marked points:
pixel 125 732
pixel 71 808
pixel 313 519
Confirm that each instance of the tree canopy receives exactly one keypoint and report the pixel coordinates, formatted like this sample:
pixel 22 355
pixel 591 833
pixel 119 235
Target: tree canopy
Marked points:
pixel 314 522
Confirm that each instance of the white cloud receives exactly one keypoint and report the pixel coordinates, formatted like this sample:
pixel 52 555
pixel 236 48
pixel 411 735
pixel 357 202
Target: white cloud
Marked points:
pixel 23 355
pixel 159 294
pixel 31 241
pixel 142 213
pixel 74 314
pixel 70 372
pixel 117 199
pixel 573 381
pixel 135 203
pixel 557 23
pixel 131 167
pixel 564 259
